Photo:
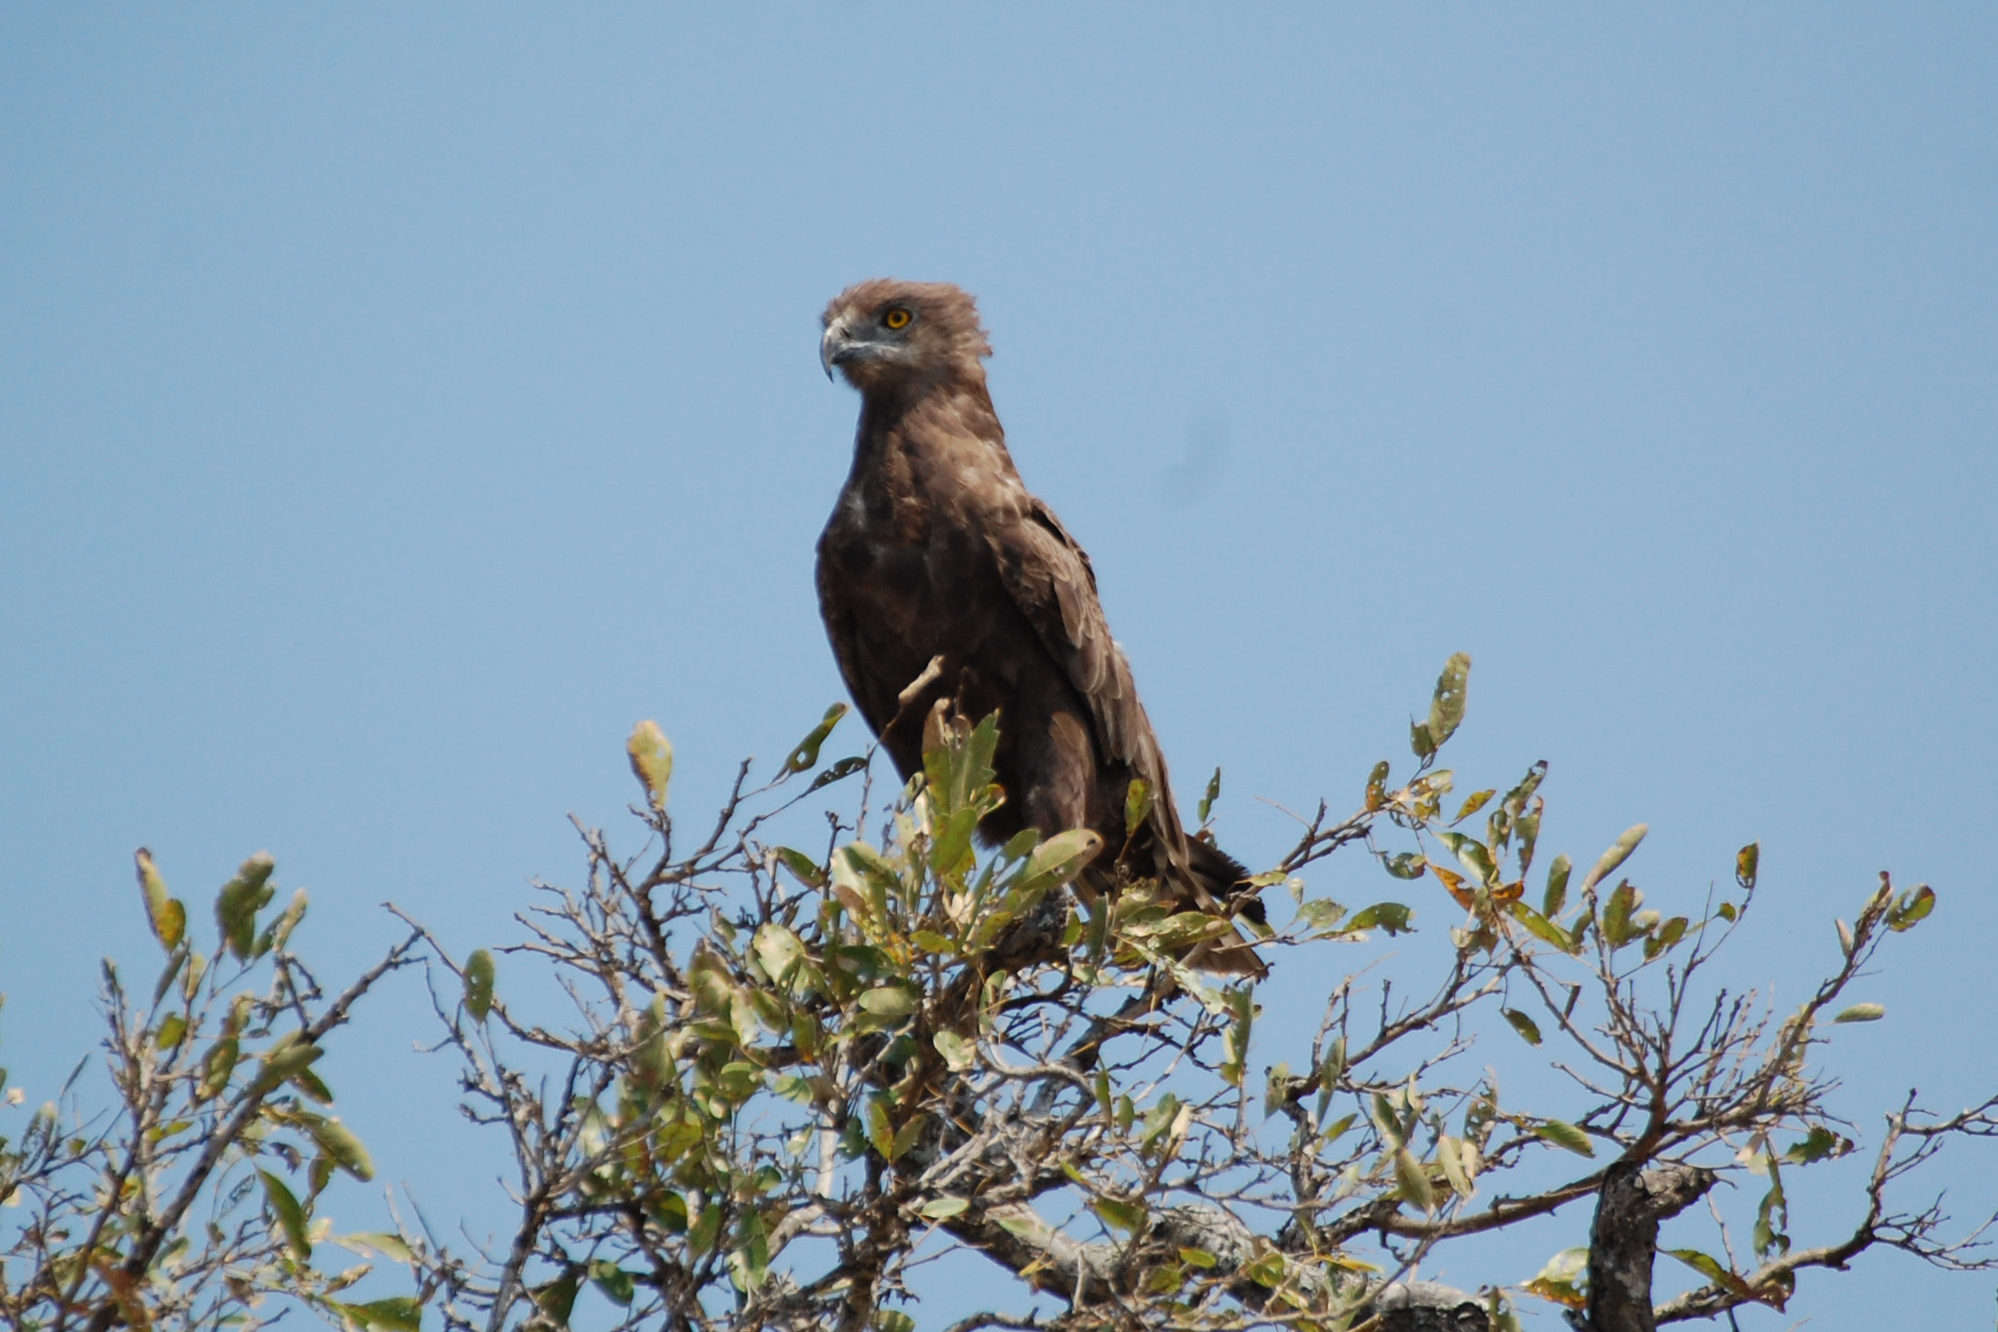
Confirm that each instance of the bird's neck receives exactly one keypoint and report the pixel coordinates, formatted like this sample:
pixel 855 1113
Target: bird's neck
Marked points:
pixel 956 406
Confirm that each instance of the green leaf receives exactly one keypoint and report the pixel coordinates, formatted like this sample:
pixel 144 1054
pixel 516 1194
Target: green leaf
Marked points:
pixel 777 949
pixel 1473 856
pixel 894 1002
pixel 1235 1043
pixel 651 755
pixel 290 1216
pixel 893 1320
pixel 807 752
pixel 1412 1181
pixel 1421 741
pixel 1862 1013
pixel 1446 708
pixel 1057 859
pixel 1405 864
pixel 880 1131
pixel 1387 1122
pixel 651 1061
pixel 1137 804
pixel 1527 828
pixel 285 1060
pixel 1619 851
pixel 1709 1267
pixel 1745 862
pixel 1524 1025
pixel 1452 1154
pixel 237 905
pixel 1771 1218
pixel 387 1245
pixel 1540 927
pixel 839 771
pixel 1565 1135
pixel 1268 1270
pixel 173 1030
pixel 1820 1144
pixel 343 1148
pixel 1158 1120
pixel 216 1066
pixel 803 868
pixel 278 933
pixel 1276 1088
pixel 1213 794
pixel 1120 1215
pixel 617 1284
pixel 1556 895
pixel 557 1299
pixel 399 1313
pixel 749 1265
pixel 1330 1070
pixel 167 915
pixel 1618 928
pixel 1665 937
pixel 946 1207
pixel 1394 917
pixel 906 1136
pixel 1515 802
pixel 479 984
pixel 878 884
pixel 1319 915
pixel 702 1234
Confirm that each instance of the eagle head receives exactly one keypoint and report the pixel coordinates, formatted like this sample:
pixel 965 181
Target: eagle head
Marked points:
pixel 886 332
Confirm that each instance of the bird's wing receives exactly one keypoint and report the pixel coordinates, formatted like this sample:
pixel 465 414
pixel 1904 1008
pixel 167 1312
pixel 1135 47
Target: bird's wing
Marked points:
pixel 1049 579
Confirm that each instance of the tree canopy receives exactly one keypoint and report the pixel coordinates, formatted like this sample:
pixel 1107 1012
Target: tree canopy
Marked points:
pixel 795 1082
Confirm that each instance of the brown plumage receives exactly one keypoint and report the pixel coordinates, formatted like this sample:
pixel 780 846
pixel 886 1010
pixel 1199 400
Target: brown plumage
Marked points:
pixel 936 548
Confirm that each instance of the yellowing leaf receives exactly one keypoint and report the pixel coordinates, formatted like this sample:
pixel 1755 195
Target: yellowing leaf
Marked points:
pixel 166 915
pixel 1619 851
pixel 651 755
pixel 1454 883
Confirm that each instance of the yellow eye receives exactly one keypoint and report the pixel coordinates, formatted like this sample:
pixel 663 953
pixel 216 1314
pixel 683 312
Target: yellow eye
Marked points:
pixel 897 318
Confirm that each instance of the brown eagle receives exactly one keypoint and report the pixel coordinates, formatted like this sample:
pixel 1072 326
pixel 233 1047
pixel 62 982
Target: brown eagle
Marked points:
pixel 936 549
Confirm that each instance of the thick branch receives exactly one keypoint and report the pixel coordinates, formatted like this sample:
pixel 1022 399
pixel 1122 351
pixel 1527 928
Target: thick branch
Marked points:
pixel 1623 1241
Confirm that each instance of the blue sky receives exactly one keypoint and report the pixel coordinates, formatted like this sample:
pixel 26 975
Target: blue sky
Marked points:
pixel 395 406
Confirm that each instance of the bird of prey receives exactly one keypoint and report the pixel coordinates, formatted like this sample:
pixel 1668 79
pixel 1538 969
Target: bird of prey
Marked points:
pixel 937 550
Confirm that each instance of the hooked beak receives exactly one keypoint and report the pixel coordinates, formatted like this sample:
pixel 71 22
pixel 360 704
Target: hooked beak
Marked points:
pixel 832 344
